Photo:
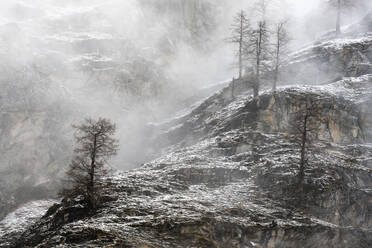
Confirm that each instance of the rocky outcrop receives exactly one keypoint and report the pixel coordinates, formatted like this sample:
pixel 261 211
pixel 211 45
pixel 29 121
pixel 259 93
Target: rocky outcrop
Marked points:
pixel 234 182
pixel 19 220
pixel 331 58
pixel 342 115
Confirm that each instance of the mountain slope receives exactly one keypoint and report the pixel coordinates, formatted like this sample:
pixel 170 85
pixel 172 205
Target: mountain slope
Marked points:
pixel 228 176
pixel 63 61
pixel 235 186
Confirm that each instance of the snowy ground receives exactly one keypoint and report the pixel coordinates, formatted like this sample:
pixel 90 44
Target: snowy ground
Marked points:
pixel 24 216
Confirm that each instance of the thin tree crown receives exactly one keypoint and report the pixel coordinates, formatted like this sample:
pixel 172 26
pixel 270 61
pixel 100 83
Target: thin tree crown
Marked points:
pixel 95 144
pixel 96 137
pixel 240 27
pixel 258 44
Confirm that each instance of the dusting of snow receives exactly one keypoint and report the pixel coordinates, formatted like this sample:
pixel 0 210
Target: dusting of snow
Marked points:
pixel 21 218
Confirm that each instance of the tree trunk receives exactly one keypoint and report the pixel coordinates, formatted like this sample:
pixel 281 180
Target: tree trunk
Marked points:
pixel 256 87
pixel 338 21
pixel 91 174
pixel 277 62
pixel 241 46
pixel 256 84
pixel 276 76
pixel 233 88
pixel 303 151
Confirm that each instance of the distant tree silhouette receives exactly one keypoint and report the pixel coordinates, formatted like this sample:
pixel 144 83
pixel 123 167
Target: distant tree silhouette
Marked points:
pixel 280 49
pixel 258 50
pixel 94 145
pixel 261 8
pixel 341 5
pixel 240 35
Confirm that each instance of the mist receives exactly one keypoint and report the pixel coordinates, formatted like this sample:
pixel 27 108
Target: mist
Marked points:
pixel 230 129
pixel 134 61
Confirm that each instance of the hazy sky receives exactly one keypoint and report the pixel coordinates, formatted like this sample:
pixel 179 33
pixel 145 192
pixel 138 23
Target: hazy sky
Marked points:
pixel 54 27
pixel 303 6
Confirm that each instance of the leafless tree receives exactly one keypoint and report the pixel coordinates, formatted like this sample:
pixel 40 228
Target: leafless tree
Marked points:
pixel 258 50
pixel 341 5
pixel 280 49
pixel 240 35
pixel 95 145
pixel 261 7
pixel 305 127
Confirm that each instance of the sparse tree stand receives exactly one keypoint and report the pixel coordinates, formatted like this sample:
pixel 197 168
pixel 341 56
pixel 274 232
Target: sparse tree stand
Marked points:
pixel 94 146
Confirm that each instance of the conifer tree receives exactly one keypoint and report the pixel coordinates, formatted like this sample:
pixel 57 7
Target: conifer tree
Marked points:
pixel 280 49
pixel 94 146
pixel 258 51
pixel 240 36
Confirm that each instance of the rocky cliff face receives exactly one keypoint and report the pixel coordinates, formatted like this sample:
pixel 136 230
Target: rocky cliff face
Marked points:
pixel 234 181
pixel 228 176
pixel 236 186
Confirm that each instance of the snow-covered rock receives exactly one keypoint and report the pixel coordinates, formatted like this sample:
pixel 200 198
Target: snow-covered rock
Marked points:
pixel 22 218
pixel 228 173
pixel 230 180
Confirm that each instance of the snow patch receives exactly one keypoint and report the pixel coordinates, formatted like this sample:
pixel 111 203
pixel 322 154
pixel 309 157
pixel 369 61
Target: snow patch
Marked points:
pixel 27 214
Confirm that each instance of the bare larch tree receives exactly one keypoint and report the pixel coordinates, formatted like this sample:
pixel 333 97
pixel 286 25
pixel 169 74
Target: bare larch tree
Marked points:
pixel 95 145
pixel 240 35
pixel 340 6
pixel 280 49
pixel 261 7
pixel 304 126
pixel 257 51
